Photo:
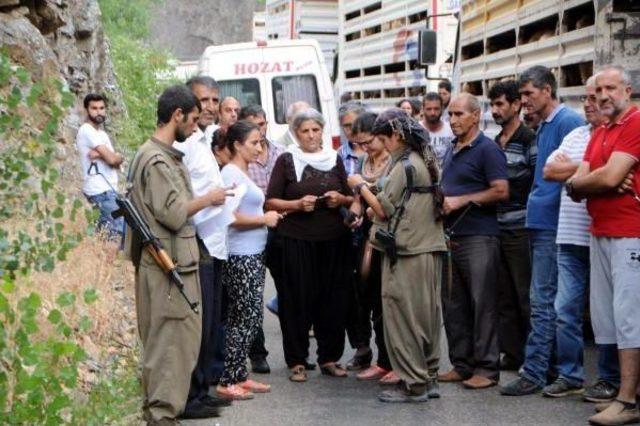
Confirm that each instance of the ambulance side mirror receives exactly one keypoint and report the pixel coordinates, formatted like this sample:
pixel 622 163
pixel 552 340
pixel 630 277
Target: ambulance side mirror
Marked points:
pixel 427 48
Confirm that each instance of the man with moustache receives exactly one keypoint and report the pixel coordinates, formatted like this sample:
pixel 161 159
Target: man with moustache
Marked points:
pixel 161 192
pixel 94 145
pixel 205 176
pixel 518 144
pixel 538 93
pixel 609 178
pixel 573 270
pixel 440 134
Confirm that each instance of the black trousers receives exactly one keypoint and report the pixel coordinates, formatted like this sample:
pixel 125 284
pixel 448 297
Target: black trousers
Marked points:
pixel 312 284
pixel 257 349
pixel 203 376
pixel 358 323
pixel 471 306
pixel 373 305
pixel 513 293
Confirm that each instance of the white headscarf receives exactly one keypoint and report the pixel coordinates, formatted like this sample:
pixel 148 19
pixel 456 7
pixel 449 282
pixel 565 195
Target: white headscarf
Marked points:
pixel 323 160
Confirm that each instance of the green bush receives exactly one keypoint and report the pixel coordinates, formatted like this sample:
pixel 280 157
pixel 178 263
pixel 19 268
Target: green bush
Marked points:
pixel 39 368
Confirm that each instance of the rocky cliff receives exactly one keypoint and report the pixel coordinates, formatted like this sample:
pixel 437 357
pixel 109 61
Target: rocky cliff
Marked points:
pixel 61 39
pixel 186 28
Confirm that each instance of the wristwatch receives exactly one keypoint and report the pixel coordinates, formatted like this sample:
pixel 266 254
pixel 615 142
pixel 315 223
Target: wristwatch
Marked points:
pixel 568 186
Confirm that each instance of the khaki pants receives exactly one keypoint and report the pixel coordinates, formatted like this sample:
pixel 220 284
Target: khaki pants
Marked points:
pixel 412 315
pixel 170 332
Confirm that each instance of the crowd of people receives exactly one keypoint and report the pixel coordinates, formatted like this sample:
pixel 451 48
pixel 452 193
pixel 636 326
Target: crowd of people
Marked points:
pixel 418 220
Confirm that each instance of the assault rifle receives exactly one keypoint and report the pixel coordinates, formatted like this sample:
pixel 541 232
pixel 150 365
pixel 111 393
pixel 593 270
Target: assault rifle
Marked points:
pixel 150 242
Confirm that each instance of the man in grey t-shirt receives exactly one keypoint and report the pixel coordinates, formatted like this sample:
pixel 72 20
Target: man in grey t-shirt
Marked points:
pixel 440 134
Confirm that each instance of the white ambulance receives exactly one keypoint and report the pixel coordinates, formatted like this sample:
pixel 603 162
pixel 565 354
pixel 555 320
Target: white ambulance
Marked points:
pixel 275 74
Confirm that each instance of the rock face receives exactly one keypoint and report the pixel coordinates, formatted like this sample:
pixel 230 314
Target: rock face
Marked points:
pixel 186 28
pixel 61 39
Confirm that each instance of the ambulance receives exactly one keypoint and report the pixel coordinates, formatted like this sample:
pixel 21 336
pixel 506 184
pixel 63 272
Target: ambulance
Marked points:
pixel 275 74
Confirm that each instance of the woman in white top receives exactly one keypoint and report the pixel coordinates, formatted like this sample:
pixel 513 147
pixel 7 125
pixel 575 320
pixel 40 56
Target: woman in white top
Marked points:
pixel 244 272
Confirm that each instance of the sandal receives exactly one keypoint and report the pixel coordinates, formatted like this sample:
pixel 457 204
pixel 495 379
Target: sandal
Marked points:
pixel 332 369
pixel 298 374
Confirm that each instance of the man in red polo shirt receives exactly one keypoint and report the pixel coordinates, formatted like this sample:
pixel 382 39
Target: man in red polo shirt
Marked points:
pixel 609 178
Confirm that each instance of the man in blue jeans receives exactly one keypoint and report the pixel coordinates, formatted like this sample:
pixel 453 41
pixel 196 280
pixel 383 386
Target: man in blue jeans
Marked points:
pixel 538 91
pixel 94 146
pixel 573 270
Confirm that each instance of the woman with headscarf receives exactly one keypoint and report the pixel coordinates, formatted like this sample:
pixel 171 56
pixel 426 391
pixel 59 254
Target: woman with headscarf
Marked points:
pixel 311 247
pixel 407 231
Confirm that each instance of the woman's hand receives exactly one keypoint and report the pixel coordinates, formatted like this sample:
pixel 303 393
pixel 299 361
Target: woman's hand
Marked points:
pixel 271 218
pixel 334 199
pixel 308 203
pixel 354 180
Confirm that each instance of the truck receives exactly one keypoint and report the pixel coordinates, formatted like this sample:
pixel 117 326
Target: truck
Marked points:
pixel 500 39
pixel 377 61
pixel 305 19
pixel 274 74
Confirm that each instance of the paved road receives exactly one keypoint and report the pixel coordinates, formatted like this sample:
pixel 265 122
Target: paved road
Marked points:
pixel 330 401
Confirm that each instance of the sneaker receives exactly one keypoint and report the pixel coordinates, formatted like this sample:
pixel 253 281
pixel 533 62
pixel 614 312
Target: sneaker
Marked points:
pixel 390 378
pixel 561 387
pixel 403 395
pixel 519 387
pixel 234 392
pixel 255 387
pixel 433 388
pixel 618 413
pixel 602 391
pixel 374 372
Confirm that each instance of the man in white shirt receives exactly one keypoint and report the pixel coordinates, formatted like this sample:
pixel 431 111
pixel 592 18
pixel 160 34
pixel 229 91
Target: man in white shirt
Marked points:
pixel 440 134
pixel 205 176
pixel 94 146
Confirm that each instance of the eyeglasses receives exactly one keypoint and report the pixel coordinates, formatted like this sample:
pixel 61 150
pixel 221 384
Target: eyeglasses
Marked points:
pixel 590 98
pixel 347 125
pixel 365 143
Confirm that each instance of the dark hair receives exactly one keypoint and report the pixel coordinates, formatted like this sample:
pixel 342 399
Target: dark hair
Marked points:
pixel 432 96
pixel 253 110
pixel 202 80
pixel 416 105
pixel 93 97
pixel 364 123
pixel 397 119
pixel 238 132
pixel 174 98
pixel 539 76
pixel 508 88
pixel 445 84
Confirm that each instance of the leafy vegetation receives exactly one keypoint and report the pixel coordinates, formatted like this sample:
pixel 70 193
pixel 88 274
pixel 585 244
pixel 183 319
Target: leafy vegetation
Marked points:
pixel 137 66
pixel 40 357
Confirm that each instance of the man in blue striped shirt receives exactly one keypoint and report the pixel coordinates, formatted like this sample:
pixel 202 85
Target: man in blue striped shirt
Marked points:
pixel 538 92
